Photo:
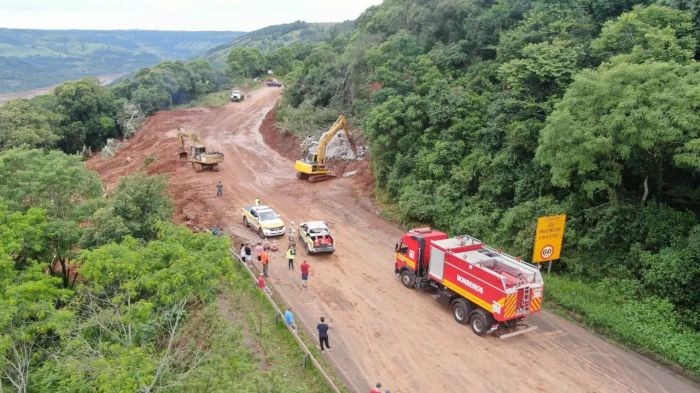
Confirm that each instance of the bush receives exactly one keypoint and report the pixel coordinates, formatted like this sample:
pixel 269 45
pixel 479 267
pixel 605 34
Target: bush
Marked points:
pixel 619 309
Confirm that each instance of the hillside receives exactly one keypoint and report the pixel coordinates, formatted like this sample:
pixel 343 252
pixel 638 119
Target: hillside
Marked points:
pixel 483 116
pixel 37 58
pixel 276 36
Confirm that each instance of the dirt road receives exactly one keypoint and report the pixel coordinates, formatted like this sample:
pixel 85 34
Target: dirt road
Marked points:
pixel 381 331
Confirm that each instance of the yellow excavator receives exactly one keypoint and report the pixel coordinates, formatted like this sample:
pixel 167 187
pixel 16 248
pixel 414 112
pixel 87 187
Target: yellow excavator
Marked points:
pixel 313 167
pixel 198 155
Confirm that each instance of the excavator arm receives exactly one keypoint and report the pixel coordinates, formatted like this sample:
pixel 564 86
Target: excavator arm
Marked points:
pixel 320 156
pixel 183 136
pixel 313 168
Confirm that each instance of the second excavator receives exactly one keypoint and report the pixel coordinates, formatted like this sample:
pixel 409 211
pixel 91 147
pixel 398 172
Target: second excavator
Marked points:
pixel 198 155
pixel 313 167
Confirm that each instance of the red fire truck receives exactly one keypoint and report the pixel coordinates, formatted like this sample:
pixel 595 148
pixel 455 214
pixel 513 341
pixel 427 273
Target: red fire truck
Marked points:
pixel 484 287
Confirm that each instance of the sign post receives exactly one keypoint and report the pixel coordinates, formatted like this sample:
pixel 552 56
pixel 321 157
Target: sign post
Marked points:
pixel 548 239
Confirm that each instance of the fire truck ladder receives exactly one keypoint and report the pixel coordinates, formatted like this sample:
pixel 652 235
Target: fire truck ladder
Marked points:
pixel 526 299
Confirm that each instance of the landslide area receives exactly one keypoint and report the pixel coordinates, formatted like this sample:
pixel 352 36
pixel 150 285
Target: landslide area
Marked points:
pixel 381 331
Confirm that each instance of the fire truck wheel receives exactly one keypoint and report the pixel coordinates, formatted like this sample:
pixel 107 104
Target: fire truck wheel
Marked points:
pixel 460 312
pixel 480 322
pixel 407 279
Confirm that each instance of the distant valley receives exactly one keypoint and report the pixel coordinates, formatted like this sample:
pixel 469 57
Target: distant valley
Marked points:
pixel 31 59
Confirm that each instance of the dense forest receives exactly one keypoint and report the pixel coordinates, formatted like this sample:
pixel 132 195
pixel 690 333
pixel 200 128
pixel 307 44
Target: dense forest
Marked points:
pixel 39 58
pixel 273 37
pixel 483 115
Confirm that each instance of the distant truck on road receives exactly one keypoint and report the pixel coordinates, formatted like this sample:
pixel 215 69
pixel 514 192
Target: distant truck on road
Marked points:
pixel 237 95
pixel 484 287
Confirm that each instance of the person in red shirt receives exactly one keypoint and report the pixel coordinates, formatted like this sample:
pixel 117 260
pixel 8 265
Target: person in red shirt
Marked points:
pixel 305 273
pixel 261 283
pixel 377 388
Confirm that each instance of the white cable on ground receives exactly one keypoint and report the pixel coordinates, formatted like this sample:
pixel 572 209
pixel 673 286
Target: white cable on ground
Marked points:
pixel 294 332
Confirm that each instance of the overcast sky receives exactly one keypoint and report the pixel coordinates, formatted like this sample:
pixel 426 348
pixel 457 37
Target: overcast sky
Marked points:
pixel 241 15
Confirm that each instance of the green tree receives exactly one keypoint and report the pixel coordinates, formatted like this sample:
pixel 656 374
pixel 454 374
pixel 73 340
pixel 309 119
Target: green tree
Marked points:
pixel 652 33
pixel 87 112
pixel 58 183
pixel 135 208
pixel 24 123
pixel 245 62
pixel 29 321
pixel 629 125
pixel 134 305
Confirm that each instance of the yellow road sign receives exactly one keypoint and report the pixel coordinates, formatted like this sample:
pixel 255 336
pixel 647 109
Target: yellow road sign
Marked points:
pixel 548 239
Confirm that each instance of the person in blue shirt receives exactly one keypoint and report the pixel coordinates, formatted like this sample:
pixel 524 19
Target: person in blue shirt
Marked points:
pixel 289 318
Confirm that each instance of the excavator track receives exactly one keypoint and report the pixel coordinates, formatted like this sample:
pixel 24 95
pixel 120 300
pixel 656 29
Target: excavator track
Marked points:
pixel 320 178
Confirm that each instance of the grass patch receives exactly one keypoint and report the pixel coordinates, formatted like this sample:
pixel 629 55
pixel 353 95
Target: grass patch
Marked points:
pixel 616 308
pixel 248 350
pixel 215 99
pixel 306 120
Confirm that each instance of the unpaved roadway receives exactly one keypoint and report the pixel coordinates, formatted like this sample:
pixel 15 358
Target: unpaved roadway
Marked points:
pixel 381 331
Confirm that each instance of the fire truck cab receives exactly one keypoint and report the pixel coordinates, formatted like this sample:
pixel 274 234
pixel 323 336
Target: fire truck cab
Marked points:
pixel 490 290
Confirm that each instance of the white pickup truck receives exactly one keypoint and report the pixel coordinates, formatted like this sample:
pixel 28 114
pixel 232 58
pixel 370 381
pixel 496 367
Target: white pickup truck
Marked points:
pixel 237 95
pixel 263 220
pixel 316 237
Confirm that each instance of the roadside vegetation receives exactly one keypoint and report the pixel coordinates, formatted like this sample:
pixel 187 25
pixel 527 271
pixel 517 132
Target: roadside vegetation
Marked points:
pixel 482 116
pixel 102 293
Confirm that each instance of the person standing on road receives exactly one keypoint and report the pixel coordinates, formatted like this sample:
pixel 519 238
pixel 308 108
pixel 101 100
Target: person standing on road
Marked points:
pixel 289 318
pixel 265 261
pixel 248 253
pixel 258 251
pixel 219 189
pixel 257 202
pixel 291 255
pixel 377 388
pixel 323 335
pixel 305 267
pixel 292 242
pixel 243 252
